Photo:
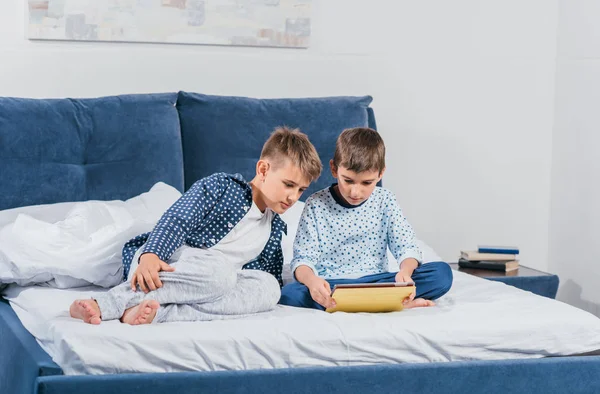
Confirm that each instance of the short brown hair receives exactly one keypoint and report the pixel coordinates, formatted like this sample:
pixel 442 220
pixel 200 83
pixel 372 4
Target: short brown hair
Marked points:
pixel 292 144
pixel 360 149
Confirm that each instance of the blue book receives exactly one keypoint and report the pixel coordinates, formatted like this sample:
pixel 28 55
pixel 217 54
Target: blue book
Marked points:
pixel 498 249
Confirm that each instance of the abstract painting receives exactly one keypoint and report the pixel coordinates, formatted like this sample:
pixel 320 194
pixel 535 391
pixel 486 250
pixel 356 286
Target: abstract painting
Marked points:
pixel 272 23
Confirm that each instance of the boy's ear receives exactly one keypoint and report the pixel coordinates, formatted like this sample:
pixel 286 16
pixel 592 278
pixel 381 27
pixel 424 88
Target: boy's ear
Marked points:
pixel 381 174
pixel 333 168
pixel 262 167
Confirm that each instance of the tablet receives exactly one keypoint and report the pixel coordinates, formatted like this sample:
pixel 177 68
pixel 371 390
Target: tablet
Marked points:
pixel 370 297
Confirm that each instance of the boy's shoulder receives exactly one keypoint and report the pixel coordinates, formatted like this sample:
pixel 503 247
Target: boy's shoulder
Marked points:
pixel 383 193
pixel 225 177
pixel 318 196
pixel 382 198
pixel 220 179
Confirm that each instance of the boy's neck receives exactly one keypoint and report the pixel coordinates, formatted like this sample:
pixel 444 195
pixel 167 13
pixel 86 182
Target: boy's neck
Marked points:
pixel 257 195
pixel 337 196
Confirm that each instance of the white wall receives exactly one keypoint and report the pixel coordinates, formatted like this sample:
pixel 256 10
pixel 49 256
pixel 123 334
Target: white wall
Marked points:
pixel 464 96
pixel 575 215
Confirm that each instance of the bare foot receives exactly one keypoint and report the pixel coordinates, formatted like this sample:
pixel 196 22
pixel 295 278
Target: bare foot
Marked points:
pixel 86 310
pixel 418 302
pixel 141 314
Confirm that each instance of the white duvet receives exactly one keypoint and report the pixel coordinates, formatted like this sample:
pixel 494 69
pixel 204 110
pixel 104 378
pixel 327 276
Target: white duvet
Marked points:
pixel 76 244
pixel 477 320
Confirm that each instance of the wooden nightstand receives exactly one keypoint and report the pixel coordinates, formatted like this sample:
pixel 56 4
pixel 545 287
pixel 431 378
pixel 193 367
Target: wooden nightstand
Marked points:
pixel 528 279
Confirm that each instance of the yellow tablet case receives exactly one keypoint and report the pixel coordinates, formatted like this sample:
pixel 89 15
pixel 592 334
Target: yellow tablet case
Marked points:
pixel 370 299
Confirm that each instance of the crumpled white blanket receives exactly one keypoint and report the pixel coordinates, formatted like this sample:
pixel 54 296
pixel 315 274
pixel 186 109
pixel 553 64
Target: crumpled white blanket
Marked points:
pixel 82 248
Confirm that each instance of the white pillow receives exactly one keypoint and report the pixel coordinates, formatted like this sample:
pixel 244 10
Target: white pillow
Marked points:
pixel 74 244
pixel 50 213
pixel 429 255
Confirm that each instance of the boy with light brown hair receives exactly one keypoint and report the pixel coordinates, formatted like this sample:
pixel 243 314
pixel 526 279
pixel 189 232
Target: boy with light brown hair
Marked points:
pixel 345 231
pixel 216 252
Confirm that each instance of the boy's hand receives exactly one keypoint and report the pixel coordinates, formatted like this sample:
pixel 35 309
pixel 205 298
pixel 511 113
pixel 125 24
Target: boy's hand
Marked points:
pixel 320 291
pixel 146 274
pixel 405 276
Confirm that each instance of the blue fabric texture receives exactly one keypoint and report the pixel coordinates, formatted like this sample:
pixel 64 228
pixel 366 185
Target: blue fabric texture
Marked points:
pixel 432 280
pixel 22 360
pixel 372 122
pixel 105 148
pixel 544 285
pixel 573 375
pixel 226 134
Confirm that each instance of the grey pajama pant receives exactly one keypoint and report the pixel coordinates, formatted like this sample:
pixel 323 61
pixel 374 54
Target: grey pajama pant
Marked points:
pixel 198 289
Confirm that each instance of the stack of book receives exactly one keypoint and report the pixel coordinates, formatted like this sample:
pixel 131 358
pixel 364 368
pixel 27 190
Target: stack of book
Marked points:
pixel 498 258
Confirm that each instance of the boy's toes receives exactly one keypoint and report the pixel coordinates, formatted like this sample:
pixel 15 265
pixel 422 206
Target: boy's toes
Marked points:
pixel 84 310
pixel 419 303
pixel 143 313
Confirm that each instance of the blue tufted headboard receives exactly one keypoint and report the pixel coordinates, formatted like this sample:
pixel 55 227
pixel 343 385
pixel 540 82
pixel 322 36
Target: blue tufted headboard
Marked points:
pixel 225 134
pixel 56 150
pixel 73 150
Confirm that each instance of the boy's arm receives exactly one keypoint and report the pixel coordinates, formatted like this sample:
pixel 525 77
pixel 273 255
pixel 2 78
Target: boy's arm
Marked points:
pixel 307 250
pixel 306 245
pixel 304 274
pixel 184 216
pixel 402 240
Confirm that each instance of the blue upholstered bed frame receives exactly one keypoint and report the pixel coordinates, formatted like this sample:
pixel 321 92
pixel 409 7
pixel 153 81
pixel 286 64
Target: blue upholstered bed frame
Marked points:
pixel 117 147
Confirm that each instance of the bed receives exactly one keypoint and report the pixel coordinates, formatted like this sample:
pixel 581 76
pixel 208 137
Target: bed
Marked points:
pixel 483 336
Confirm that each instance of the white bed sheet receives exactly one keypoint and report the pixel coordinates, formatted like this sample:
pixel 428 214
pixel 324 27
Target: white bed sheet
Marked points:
pixel 476 320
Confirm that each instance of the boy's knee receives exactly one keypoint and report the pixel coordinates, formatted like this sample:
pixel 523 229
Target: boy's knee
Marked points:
pixel 262 289
pixel 215 276
pixel 443 278
pixel 272 289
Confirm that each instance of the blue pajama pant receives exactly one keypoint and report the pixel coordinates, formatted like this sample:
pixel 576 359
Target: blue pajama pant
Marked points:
pixel 432 280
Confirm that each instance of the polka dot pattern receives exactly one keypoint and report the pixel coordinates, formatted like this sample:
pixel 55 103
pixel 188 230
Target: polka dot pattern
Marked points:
pixel 340 242
pixel 203 216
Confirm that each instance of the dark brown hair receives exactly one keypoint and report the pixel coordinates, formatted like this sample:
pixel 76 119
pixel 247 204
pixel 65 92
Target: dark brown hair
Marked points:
pixel 360 149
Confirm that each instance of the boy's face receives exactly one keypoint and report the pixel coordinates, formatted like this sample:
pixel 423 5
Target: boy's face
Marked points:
pixel 355 188
pixel 282 186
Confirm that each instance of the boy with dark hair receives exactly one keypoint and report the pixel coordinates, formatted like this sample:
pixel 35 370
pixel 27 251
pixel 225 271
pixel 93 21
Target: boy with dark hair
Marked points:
pixel 345 231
